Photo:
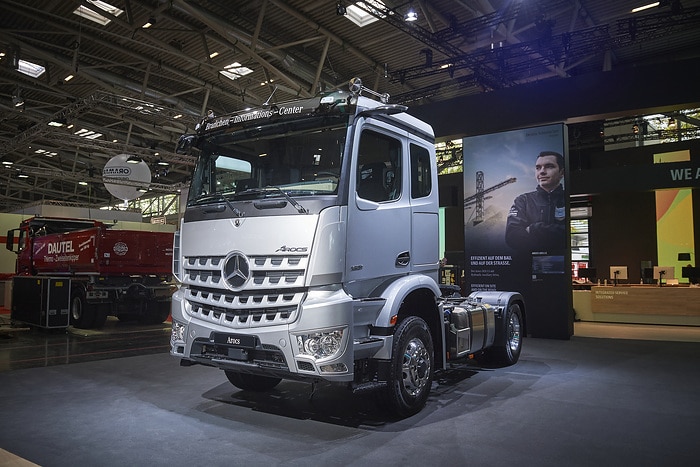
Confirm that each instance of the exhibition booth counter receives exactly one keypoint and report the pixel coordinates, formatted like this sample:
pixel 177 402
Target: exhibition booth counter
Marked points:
pixel 647 304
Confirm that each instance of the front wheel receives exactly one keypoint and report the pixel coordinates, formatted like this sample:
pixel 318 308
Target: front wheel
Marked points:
pixel 509 336
pixel 154 312
pixel 249 382
pixel 412 367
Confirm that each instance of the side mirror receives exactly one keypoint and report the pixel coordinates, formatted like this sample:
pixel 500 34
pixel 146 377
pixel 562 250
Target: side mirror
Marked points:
pixel 185 144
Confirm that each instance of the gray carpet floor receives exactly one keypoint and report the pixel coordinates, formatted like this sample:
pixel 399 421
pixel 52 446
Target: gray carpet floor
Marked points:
pixel 586 401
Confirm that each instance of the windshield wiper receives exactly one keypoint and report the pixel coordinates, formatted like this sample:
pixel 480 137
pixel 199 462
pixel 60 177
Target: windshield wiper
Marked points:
pixel 300 209
pixel 220 197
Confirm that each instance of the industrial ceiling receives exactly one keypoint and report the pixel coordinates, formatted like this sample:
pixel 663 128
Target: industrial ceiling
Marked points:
pixel 137 82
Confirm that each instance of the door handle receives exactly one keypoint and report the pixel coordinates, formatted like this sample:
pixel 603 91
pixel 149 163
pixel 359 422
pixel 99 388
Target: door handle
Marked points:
pixel 403 260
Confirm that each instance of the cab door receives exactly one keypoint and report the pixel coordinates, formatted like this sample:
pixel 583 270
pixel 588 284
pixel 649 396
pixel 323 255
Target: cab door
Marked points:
pixel 379 210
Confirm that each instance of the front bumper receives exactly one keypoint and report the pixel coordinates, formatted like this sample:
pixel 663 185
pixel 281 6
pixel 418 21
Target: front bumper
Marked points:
pixel 271 350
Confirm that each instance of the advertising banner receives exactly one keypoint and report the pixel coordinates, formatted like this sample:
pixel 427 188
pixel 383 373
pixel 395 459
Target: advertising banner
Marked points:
pixel 516 222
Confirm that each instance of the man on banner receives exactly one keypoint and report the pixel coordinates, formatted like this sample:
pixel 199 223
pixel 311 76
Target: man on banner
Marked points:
pixel 537 219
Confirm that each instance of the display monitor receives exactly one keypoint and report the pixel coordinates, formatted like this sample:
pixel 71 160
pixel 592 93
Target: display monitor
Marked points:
pixel 618 273
pixel 664 273
pixel 691 273
pixel 587 273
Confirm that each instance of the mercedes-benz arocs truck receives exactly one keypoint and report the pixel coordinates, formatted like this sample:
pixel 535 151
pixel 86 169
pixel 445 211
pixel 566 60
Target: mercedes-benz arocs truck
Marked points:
pixel 308 250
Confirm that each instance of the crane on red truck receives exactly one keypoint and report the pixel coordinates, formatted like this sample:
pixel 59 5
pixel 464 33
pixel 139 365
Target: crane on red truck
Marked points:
pixel 100 271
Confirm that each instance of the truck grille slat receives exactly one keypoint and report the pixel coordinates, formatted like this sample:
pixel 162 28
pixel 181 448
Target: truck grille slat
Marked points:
pixel 271 296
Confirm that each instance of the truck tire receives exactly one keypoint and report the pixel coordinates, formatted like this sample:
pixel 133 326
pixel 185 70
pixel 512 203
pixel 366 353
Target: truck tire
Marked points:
pixel 154 312
pixel 412 367
pixel 249 382
pixel 82 315
pixel 101 313
pixel 509 335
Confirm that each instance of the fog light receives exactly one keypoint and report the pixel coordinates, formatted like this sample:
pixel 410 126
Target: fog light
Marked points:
pixel 178 332
pixel 334 368
pixel 320 344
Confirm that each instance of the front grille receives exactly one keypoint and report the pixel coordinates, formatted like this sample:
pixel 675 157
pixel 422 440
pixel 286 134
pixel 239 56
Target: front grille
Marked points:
pixel 271 296
pixel 266 271
pixel 233 313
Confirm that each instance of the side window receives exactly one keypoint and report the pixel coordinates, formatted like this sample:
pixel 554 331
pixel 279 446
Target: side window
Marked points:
pixel 378 167
pixel 421 181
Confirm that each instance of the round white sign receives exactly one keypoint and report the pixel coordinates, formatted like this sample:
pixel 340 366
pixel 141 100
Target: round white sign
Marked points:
pixel 118 168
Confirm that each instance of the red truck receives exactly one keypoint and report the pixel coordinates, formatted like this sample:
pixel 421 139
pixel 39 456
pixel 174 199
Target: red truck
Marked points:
pixel 99 271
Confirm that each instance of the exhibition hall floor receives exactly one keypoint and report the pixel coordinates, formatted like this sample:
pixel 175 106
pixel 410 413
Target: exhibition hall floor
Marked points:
pixel 585 401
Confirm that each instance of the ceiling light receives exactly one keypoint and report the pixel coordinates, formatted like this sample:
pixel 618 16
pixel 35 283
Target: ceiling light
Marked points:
pixel 151 21
pixel 83 183
pixel 645 7
pixel 30 69
pixel 359 14
pixel 87 13
pixel 213 54
pixel 46 153
pixel 17 101
pixel 88 134
pixel 68 78
pixel 57 122
pixel 410 15
pixel 235 71
pixel 133 160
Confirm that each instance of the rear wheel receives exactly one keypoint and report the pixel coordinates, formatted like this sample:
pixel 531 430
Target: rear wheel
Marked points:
pixel 412 367
pixel 509 335
pixel 249 382
pixel 82 315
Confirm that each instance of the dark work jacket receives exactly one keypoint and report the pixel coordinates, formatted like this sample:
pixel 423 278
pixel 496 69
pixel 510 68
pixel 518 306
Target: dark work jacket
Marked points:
pixel 537 221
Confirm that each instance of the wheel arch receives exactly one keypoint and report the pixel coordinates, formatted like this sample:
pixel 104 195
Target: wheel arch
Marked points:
pixel 423 304
pixel 503 300
pixel 414 295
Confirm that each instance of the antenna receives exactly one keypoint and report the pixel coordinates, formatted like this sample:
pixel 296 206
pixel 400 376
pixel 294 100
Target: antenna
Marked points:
pixel 267 102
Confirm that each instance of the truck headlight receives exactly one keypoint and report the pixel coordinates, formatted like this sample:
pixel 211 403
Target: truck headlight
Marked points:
pixel 178 332
pixel 319 345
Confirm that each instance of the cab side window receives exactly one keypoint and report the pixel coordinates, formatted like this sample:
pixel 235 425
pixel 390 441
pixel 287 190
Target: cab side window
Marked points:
pixel 379 167
pixel 421 181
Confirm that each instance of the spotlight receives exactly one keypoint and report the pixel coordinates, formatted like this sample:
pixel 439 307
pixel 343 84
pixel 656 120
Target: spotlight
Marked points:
pixel 340 9
pixel 17 101
pixel 133 160
pixel 410 15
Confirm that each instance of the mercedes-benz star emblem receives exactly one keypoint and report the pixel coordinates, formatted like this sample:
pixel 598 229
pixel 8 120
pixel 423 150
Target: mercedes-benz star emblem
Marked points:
pixel 236 270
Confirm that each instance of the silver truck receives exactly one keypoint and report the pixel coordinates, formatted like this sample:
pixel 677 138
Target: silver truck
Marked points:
pixel 308 250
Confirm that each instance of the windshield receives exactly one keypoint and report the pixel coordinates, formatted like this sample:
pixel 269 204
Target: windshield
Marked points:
pixel 293 158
